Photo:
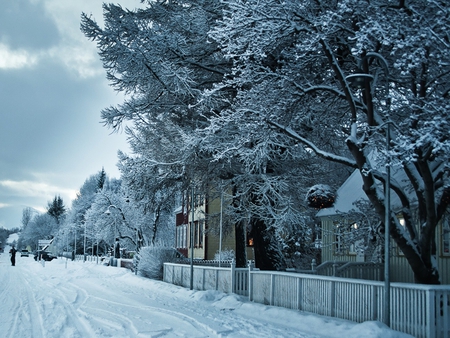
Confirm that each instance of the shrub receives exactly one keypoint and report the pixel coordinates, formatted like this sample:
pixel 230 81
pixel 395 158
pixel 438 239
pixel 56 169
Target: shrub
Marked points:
pixel 226 255
pixel 151 259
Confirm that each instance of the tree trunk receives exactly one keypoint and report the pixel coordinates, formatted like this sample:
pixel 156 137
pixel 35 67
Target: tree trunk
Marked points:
pixel 418 255
pixel 241 254
pixel 267 253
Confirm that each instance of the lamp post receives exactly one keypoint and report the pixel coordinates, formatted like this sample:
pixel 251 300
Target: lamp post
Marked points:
pixel 75 243
pixel 359 80
pixel 191 282
pixel 220 229
pixel 84 244
pixel 116 244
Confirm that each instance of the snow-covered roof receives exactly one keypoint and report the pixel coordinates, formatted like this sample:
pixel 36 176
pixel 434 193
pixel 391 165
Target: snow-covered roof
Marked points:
pixel 351 191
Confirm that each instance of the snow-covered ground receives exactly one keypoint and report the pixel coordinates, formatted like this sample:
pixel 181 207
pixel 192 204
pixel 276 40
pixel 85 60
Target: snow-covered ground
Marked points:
pixel 74 299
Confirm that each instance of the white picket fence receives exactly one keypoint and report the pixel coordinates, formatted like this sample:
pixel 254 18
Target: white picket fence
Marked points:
pixel 420 310
pixel 228 280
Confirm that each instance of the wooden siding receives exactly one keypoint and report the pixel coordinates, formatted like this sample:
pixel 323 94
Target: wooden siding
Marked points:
pixel 228 242
pixel 400 270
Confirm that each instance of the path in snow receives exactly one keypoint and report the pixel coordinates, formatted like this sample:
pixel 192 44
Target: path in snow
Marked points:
pixel 75 299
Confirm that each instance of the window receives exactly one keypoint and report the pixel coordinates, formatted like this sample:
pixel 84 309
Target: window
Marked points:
pixel 353 245
pixel 445 236
pixel 181 236
pixel 249 240
pixel 338 240
pixel 198 234
pixel 199 200
pixel 346 239
pixel 394 247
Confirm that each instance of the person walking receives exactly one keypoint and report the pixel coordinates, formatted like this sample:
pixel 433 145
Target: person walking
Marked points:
pixel 13 256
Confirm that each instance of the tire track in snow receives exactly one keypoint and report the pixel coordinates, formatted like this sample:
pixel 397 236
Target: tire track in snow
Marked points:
pixel 101 308
pixel 63 304
pixel 19 300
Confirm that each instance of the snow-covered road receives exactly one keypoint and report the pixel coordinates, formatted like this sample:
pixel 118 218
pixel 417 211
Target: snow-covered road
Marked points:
pixel 75 299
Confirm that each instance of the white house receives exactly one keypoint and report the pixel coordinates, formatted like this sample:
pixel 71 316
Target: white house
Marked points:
pixel 338 229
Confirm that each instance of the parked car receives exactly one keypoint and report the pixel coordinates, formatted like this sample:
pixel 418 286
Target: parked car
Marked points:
pixel 45 255
pixel 24 253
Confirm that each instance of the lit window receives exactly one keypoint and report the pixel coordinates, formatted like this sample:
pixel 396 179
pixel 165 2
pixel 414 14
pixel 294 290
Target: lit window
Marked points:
pixel 352 246
pixel 346 239
pixel 338 240
pixel 250 241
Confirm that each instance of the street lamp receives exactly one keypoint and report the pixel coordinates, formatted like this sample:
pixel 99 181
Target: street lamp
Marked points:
pixel 359 80
pixel 116 243
pixel 191 284
pixel 84 244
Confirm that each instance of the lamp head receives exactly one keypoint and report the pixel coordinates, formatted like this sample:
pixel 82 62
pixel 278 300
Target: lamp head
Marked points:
pixel 358 80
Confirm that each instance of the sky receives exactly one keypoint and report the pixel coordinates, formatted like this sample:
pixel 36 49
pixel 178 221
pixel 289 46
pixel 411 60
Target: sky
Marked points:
pixel 52 90
pixel 62 298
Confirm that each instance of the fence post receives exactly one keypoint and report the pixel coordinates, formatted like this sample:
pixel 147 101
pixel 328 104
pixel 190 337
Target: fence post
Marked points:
pixel 313 265
pixel 272 288
pixel 431 313
pixel 250 282
pixel 335 269
pixel 174 271
pixel 233 276
pixel 374 307
pixel 217 280
pixel 299 293
pixel 333 299
pixel 203 278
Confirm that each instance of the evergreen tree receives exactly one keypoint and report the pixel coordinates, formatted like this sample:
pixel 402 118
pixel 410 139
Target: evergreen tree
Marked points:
pixel 101 179
pixel 56 209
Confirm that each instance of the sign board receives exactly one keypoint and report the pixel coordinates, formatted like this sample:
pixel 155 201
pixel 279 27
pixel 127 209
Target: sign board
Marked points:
pixel 44 242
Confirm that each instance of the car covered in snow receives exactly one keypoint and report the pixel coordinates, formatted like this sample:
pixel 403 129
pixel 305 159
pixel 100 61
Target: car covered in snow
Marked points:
pixel 24 253
pixel 45 255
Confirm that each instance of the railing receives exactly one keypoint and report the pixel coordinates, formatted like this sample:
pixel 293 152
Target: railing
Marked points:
pixel 369 271
pixel 328 268
pixel 358 270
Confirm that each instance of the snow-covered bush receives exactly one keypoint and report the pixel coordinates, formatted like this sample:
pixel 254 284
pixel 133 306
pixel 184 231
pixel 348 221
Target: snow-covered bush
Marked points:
pixel 151 259
pixel 225 255
pixel 320 196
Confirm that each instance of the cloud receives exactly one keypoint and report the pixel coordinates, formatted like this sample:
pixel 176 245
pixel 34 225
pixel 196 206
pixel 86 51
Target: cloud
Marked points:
pixel 75 51
pixel 4 205
pixel 15 59
pixel 36 189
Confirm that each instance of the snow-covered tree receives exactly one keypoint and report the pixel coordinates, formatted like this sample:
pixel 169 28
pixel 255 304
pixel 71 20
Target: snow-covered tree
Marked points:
pixel 291 65
pixel 41 226
pixel 163 58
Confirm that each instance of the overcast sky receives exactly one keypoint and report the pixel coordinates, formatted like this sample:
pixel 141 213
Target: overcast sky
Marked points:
pixel 52 89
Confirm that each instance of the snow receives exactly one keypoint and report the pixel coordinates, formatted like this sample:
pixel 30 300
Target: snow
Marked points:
pixel 62 298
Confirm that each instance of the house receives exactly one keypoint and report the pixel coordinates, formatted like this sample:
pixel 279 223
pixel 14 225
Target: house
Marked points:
pixel 207 234
pixel 340 244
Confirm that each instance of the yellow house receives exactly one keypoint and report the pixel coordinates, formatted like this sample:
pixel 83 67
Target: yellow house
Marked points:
pixel 208 237
pixel 336 227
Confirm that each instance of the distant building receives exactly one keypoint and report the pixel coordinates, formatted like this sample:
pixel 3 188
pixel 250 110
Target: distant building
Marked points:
pixel 206 236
